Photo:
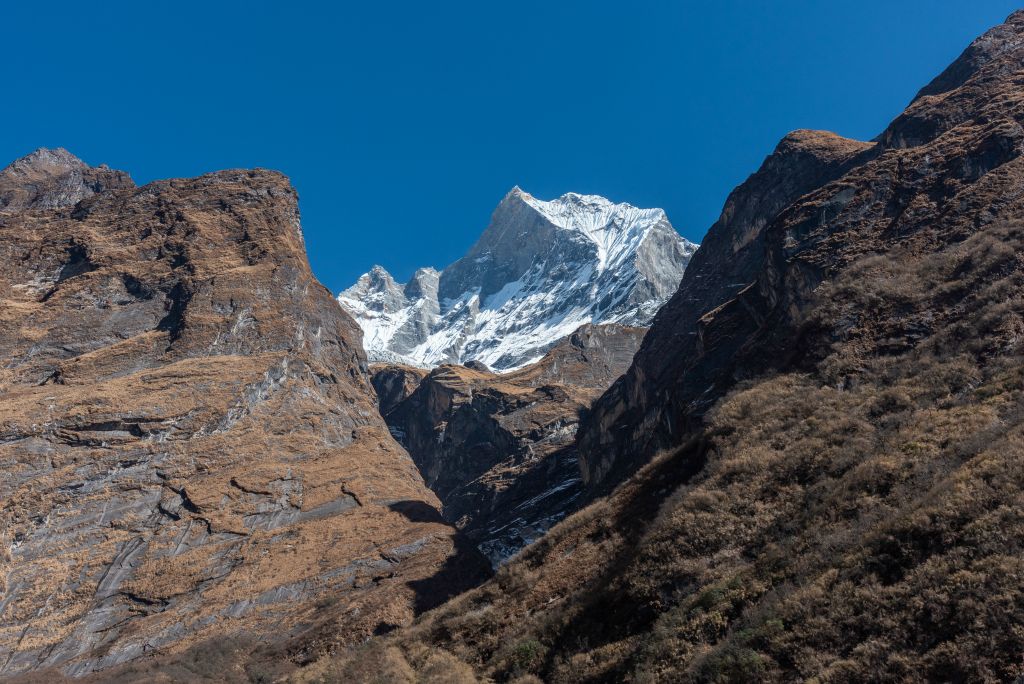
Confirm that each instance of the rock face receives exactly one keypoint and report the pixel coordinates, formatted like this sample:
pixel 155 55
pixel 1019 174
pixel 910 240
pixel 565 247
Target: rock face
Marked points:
pixel 644 411
pixel 394 384
pixel 946 164
pixel 539 271
pixel 839 487
pixel 52 179
pixel 189 446
pixel 498 449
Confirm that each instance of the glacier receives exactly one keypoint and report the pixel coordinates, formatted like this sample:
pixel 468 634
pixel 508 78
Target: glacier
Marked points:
pixel 539 271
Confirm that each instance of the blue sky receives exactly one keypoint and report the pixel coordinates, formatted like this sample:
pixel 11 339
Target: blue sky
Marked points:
pixel 402 124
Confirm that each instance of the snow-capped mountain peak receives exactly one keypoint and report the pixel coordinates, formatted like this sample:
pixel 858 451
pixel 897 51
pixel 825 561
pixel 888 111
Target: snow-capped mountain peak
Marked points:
pixel 540 270
pixel 616 229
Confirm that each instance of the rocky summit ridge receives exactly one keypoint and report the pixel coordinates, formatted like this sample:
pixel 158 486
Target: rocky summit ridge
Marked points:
pixel 54 178
pixel 539 271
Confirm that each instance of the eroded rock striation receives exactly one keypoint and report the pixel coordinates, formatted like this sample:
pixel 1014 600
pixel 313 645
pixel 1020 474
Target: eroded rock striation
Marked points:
pixel 498 449
pixel 189 446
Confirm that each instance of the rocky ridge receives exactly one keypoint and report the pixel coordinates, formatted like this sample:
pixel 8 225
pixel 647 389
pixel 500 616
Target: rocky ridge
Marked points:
pixel 641 413
pixel 928 176
pixel 51 179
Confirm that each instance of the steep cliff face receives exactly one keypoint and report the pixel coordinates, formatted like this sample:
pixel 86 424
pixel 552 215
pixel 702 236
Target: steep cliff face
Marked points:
pixel 839 492
pixel 394 384
pixel 942 169
pixel 498 449
pixel 188 439
pixel 648 409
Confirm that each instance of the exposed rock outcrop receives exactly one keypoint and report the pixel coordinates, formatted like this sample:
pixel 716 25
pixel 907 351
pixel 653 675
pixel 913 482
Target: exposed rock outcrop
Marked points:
pixel 188 442
pixel 648 409
pixel 394 384
pixel 498 449
pixel 53 179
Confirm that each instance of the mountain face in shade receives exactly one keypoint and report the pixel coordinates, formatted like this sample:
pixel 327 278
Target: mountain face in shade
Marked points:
pixel 189 443
pixel 497 449
pixel 539 271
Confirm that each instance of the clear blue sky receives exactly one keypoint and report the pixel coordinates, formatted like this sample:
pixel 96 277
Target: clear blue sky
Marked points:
pixel 402 124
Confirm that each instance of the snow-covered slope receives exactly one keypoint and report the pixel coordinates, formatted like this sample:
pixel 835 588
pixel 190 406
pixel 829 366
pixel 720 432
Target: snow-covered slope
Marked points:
pixel 539 271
